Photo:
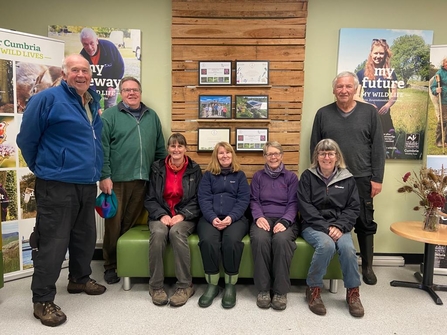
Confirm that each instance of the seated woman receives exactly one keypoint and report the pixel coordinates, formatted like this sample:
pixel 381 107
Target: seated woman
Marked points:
pixel 173 209
pixel 329 206
pixel 224 196
pixel 274 230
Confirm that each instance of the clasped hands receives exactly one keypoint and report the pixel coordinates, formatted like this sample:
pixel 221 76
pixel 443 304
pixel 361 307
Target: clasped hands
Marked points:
pixel 335 233
pixel 168 221
pixel 221 224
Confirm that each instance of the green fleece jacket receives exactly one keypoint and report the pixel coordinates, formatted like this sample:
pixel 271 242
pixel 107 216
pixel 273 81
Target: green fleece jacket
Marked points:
pixel 130 145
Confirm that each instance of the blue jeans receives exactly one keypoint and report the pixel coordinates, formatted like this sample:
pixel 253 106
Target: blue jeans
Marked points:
pixel 325 248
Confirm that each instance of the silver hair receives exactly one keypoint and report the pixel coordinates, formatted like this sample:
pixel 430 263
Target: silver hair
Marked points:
pixel 346 74
pixel 88 32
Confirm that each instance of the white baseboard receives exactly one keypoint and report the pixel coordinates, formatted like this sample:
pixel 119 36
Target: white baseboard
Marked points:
pixel 385 261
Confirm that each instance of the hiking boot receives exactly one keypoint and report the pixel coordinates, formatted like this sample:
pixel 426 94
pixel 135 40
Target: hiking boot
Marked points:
pixel 279 301
pixel 49 313
pixel 181 296
pixel 159 296
pixel 111 277
pixel 263 300
pixel 91 287
pixel 354 303
pixel 313 297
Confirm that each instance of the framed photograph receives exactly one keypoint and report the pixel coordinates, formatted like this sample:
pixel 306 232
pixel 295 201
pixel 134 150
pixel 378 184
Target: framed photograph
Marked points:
pixel 252 72
pixel 215 73
pixel 208 137
pixel 251 107
pixel 251 139
pixel 214 106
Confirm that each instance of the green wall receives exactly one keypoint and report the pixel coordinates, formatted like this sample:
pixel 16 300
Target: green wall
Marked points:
pixel 325 18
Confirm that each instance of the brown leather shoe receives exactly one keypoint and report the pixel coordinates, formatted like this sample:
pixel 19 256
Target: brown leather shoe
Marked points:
pixel 91 287
pixel 354 303
pixel 49 313
pixel 159 296
pixel 181 296
pixel 313 297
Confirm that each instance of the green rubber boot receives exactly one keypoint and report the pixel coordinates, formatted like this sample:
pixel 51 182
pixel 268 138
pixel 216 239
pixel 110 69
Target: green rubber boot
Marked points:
pixel 211 291
pixel 229 296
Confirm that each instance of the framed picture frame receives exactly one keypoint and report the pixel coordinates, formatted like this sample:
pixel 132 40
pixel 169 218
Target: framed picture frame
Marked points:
pixel 208 137
pixel 215 73
pixel 252 72
pixel 215 106
pixel 251 139
pixel 251 107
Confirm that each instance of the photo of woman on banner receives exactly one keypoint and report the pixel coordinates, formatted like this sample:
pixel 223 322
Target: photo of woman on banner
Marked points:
pixel 378 86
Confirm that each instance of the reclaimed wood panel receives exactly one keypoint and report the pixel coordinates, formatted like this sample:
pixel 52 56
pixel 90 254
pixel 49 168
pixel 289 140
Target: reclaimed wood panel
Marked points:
pixel 231 30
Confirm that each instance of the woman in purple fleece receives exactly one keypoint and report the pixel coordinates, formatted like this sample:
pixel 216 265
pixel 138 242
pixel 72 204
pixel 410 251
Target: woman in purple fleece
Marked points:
pixel 274 207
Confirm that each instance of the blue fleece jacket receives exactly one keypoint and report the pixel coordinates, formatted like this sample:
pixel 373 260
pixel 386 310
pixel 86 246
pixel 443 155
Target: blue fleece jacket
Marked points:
pixel 56 138
pixel 223 195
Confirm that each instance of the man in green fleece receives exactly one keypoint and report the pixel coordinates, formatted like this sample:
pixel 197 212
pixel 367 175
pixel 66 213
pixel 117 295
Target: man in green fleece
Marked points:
pixel 132 140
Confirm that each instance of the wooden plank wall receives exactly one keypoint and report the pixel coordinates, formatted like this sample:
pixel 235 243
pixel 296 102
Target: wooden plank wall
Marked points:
pixel 230 30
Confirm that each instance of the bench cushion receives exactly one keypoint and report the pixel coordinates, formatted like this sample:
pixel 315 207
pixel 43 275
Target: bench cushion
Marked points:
pixel 133 257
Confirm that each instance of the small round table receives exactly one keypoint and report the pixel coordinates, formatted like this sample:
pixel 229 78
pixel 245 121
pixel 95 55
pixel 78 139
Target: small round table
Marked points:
pixel 413 230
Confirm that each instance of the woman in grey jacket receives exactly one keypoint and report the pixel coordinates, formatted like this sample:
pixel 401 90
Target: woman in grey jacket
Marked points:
pixel 329 206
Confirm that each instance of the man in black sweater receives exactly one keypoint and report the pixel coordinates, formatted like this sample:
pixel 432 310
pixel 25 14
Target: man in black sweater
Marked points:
pixel 356 127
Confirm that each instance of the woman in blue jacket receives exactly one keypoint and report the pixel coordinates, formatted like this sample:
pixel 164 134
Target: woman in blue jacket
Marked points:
pixel 224 196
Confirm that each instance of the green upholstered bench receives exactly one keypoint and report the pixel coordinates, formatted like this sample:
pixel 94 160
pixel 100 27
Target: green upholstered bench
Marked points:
pixel 133 259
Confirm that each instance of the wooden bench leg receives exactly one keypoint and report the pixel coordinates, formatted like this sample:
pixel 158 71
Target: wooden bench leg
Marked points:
pixel 333 285
pixel 126 283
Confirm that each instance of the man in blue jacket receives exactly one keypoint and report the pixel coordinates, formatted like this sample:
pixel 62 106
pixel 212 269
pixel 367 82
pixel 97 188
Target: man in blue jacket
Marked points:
pixel 60 140
pixel 106 63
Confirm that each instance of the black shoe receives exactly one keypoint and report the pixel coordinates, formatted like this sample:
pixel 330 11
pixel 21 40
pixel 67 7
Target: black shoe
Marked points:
pixel 111 277
pixel 369 277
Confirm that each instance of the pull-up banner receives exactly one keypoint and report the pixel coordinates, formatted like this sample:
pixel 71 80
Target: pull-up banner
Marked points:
pixel 28 65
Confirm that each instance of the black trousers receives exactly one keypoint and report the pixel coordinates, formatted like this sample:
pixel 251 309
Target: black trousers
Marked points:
pixel 272 257
pixel 65 219
pixel 365 224
pixel 226 244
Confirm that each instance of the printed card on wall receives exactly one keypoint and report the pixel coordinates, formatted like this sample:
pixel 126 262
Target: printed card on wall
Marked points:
pixel 113 53
pixel 393 70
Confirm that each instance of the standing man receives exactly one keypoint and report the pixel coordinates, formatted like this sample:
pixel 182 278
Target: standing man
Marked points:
pixel 356 127
pixel 439 86
pixel 132 139
pixel 106 63
pixel 60 141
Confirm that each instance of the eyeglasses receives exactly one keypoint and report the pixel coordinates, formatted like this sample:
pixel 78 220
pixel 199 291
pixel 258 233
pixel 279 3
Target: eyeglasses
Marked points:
pixel 324 154
pixel 379 40
pixel 273 154
pixel 128 90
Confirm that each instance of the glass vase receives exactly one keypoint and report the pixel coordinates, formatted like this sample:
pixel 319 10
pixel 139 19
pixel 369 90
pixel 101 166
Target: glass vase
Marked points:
pixel 431 219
